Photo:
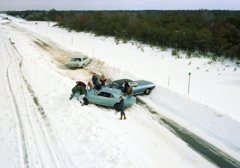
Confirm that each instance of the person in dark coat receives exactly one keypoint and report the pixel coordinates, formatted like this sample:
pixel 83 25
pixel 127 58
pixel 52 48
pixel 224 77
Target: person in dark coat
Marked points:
pixel 125 86
pixel 103 80
pixel 121 109
pixel 80 83
pixel 98 86
pixel 80 88
pixel 94 79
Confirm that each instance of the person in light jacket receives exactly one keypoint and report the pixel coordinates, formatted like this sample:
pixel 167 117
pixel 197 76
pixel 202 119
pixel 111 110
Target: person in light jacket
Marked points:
pixel 103 80
pixel 90 85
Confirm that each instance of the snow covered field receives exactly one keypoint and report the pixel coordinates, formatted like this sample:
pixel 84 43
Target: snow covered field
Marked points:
pixel 40 127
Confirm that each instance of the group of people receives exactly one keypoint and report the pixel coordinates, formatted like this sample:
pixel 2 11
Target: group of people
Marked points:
pixel 98 84
pixel 80 87
pixel 80 90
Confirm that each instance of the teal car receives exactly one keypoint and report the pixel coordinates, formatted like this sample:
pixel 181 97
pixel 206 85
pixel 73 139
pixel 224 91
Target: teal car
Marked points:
pixel 139 87
pixel 109 97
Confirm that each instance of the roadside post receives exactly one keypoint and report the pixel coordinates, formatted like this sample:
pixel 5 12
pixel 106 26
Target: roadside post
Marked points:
pixel 168 80
pixel 189 78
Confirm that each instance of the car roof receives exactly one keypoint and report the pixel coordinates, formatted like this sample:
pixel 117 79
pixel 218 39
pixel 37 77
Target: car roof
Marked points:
pixel 78 56
pixel 143 82
pixel 111 90
pixel 121 81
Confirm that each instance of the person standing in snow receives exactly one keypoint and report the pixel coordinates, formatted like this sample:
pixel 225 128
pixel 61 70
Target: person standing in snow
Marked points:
pixel 90 86
pixel 129 91
pixel 121 109
pixel 103 80
pixel 125 87
pixel 94 79
pixel 98 86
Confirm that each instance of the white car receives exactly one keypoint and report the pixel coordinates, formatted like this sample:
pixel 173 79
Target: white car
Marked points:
pixel 78 62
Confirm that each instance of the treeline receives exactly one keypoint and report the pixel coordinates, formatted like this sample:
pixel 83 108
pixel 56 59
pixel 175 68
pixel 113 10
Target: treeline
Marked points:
pixel 209 32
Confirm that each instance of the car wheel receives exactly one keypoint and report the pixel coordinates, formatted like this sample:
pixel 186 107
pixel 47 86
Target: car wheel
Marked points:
pixel 85 100
pixel 147 91
pixel 116 106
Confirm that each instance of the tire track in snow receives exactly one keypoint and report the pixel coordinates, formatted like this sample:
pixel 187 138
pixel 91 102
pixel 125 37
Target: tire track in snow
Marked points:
pixel 32 130
pixel 55 147
pixel 17 114
pixel 36 129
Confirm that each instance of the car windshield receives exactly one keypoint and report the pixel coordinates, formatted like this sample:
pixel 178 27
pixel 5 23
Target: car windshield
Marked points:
pixel 105 94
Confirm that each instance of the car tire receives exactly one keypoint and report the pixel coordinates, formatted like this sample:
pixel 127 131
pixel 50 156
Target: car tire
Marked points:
pixel 147 91
pixel 85 100
pixel 116 106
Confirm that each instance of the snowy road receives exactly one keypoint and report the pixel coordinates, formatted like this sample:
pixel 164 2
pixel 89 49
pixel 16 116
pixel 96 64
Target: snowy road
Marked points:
pixel 37 144
pixel 56 132
pixel 15 105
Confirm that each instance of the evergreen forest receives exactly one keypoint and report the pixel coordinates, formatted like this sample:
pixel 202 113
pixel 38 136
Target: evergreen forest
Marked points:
pixel 212 33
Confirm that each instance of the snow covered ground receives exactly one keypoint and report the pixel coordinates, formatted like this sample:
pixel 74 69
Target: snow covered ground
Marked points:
pixel 42 128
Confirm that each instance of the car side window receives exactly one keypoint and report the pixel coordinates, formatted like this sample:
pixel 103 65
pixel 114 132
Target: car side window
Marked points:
pixel 84 58
pixel 105 94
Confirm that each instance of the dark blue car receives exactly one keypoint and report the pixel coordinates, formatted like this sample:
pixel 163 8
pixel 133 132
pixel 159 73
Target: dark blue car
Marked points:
pixel 138 86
